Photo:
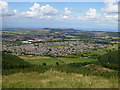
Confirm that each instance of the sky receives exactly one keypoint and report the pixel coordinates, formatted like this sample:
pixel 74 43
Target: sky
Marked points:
pixel 78 15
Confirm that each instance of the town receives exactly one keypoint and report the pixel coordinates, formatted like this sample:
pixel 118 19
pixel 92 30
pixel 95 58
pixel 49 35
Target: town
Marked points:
pixel 54 42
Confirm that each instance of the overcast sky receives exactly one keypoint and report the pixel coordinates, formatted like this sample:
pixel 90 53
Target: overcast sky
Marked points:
pixel 78 15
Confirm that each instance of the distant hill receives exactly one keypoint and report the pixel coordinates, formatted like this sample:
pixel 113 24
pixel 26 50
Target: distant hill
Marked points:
pixel 114 34
pixel 110 59
pixel 11 61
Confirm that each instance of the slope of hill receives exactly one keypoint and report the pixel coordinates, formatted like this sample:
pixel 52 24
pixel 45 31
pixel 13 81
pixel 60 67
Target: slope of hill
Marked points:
pixel 18 73
pixel 11 61
pixel 110 59
pixel 55 79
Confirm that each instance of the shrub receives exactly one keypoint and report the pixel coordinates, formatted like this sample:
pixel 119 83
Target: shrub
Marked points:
pixel 57 63
pixel 44 64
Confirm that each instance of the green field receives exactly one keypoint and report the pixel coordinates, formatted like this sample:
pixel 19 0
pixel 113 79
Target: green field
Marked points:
pixel 76 60
pixel 39 60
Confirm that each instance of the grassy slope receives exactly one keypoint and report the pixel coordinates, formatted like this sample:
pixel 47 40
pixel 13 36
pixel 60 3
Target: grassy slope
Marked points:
pixel 55 79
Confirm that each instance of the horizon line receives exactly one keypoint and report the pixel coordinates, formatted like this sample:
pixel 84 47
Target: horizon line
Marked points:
pixel 82 29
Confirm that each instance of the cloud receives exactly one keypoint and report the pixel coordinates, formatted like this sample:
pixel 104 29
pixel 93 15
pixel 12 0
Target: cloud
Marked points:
pixel 67 14
pixel 47 12
pixel 110 6
pixel 4 8
pixel 110 11
pixel 93 16
pixel 68 11
pixel 111 17
pixel 90 15
pixel 38 11
pixel 91 12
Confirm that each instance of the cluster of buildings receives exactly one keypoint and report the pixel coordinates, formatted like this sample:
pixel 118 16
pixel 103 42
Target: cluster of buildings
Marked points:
pixel 55 43
pixel 52 48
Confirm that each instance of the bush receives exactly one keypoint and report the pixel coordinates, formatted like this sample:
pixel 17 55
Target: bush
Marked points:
pixel 57 63
pixel 44 64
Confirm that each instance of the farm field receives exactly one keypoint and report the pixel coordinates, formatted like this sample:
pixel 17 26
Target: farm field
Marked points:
pixel 76 60
pixel 55 79
pixel 39 60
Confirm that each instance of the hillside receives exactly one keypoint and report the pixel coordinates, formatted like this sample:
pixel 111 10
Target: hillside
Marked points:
pixel 110 59
pixel 11 61
pixel 18 73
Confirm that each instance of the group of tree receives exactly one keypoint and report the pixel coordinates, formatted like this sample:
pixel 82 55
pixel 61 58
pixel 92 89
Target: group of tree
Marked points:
pixel 12 62
pixel 110 60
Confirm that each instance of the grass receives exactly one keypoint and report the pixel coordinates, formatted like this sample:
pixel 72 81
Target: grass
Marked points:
pixel 48 61
pixel 104 38
pixel 66 35
pixel 73 56
pixel 39 60
pixel 55 79
pixel 115 46
pixel 1 82
pixel 76 60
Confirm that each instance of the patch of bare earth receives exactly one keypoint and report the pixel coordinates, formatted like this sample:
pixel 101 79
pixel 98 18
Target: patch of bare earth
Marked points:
pixel 99 68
